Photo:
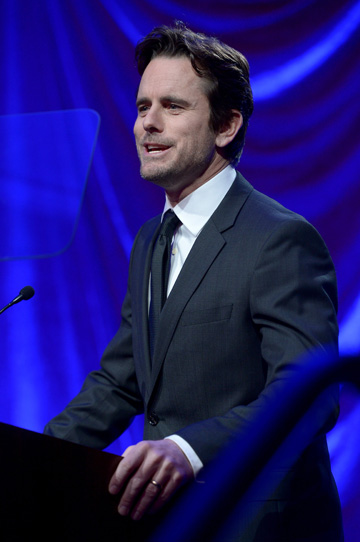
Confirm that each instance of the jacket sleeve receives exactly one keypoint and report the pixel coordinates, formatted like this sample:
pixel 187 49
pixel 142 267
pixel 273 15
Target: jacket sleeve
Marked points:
pixel 109 398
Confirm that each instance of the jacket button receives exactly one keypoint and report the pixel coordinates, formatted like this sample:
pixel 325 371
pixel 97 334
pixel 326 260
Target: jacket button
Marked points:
pixel 153 419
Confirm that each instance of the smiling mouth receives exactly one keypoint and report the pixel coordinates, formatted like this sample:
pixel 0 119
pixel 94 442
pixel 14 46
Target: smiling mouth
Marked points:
pixel 155 149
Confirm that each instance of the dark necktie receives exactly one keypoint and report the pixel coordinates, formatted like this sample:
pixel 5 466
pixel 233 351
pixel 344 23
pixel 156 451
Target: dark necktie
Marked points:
pixel 160 269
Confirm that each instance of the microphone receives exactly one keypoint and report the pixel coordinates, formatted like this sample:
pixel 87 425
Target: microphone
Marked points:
pixel 26 293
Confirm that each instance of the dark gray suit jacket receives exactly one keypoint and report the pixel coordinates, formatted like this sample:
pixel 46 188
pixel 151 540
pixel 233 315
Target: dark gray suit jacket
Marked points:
pixel 257 291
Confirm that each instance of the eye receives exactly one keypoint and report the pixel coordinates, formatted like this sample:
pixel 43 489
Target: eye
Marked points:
pixel 142 109
pixel 174 107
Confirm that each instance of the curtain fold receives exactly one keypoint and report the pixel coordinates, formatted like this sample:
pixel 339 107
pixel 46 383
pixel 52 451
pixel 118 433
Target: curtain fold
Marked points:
pixel 302 148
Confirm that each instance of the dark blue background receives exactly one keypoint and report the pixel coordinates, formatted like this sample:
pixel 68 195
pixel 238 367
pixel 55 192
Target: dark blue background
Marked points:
pixel 302 148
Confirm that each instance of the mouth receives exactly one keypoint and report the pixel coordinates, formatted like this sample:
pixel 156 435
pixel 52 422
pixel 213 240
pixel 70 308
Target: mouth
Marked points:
pixel 155 148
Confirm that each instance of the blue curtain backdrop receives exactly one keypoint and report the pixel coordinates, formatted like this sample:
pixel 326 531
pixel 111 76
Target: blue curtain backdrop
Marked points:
pixel 302 149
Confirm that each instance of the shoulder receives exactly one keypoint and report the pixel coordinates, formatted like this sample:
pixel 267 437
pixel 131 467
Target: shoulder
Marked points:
pixel 147 232
pixel 264 208
pixel 268 236
pixel 265 217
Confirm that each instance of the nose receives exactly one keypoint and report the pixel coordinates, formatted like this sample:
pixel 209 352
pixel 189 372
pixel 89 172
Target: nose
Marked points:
pixel 152 122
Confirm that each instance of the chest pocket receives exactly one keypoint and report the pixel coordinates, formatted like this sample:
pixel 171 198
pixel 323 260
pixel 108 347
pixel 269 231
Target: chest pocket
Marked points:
pixel 206 316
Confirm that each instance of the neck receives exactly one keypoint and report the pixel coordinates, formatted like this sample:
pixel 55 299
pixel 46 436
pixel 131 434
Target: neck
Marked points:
pixel 175 196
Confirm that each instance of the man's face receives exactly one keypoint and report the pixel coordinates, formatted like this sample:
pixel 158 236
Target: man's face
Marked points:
pixel 174 141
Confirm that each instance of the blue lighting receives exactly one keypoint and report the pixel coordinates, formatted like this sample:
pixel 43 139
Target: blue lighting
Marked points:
pixel 349 338
pixel 273 82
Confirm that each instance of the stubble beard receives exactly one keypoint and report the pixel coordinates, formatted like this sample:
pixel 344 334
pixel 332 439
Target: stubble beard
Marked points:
pixel 164 176
pixel 171 176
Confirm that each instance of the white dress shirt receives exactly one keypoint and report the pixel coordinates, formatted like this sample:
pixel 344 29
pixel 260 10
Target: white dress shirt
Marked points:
pixel 194 211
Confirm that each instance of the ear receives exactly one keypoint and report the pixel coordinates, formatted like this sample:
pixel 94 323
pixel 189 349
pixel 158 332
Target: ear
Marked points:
pixel 227 132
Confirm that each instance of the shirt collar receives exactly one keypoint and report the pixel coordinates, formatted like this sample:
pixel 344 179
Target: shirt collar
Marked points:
pixel 196 209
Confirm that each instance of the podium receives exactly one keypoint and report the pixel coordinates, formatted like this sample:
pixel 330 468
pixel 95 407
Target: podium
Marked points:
pixel 56 490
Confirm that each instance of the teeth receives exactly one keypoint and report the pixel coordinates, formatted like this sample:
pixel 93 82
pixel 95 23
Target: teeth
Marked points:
pixel 152 149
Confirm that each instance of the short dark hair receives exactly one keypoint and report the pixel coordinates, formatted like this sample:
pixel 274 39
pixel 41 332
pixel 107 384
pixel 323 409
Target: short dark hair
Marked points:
pixel 226 70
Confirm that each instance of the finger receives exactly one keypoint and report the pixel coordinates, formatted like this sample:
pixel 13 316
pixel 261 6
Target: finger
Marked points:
pixel 150 494
pixel 128 465
pixel 162 461
pixel 133 493
pixel 157 491
pixel 138 467
pixel 166 493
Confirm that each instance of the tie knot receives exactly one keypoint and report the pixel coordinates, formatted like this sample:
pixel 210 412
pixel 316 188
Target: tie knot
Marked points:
pixel 169 224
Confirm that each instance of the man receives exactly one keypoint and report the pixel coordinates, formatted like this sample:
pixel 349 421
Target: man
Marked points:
pixel 251 289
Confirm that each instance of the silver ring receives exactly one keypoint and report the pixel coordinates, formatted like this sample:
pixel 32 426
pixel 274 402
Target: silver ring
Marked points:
pixel 156 484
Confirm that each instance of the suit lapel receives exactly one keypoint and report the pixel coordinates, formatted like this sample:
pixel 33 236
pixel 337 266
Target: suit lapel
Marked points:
pixel 140 296
pixel 205 250
pixel 197 263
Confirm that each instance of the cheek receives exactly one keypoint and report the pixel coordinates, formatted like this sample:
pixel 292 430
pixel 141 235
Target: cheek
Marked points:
pixel 137 128
pixel 203 138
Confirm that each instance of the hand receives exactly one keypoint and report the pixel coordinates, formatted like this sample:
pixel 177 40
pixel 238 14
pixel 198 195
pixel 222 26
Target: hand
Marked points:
pixel 160 460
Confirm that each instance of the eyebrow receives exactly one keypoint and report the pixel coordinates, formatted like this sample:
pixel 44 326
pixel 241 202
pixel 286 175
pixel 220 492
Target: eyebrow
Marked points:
pixel 168 98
